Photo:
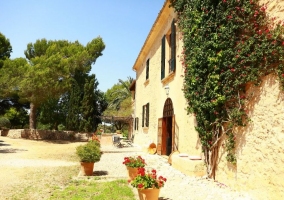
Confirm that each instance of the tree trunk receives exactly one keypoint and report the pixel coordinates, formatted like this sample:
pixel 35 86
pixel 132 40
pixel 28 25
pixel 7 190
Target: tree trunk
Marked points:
pixel 32 116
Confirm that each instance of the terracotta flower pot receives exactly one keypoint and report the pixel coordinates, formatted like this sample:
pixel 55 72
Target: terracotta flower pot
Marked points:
pixel 148 194
pixel 87 168
pixel 132 172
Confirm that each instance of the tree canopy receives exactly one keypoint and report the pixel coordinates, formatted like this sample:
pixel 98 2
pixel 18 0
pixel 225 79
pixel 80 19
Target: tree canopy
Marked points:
pixel 119 102
pixel 49 71
pixel 5 49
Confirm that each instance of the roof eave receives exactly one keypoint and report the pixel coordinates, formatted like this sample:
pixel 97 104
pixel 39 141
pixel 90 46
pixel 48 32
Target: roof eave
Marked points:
pixel 155 30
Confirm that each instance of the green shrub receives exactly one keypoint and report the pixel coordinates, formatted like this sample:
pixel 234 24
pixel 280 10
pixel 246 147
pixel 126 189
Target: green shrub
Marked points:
pixel 41 126
pixel 89 152
pixel 61 127
pixel 4 123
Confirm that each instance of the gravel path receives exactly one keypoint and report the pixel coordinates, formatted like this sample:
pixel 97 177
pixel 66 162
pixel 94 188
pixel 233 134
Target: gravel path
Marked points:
pixel 19 158
pixel 178 185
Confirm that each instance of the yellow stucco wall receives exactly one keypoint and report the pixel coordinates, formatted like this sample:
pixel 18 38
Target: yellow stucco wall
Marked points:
pixel 259 146
pixel 153 92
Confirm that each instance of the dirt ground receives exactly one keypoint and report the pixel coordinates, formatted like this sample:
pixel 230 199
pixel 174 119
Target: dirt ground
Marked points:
pixel 33 169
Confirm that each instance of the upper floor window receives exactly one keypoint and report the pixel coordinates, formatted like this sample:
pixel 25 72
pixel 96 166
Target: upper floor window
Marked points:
pixel 147 69
pixel 163 57
pixel 168 51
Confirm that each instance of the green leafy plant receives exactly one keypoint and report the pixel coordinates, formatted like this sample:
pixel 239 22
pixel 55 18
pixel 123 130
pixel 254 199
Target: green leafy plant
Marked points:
pixel 226 45
pixel 99 132
pixel 134 162
pixel 89 152
pixel 149 179
pixel 4 123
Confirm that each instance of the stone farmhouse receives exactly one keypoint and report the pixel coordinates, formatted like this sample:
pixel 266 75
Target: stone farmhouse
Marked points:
pixel 160 115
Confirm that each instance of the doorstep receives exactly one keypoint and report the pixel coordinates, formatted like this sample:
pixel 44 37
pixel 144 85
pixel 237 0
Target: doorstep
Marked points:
pixel 189 167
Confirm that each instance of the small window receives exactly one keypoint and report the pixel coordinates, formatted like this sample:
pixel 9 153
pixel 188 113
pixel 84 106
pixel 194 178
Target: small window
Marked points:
pixel 136 119
pixel 147 69
pixel 145 115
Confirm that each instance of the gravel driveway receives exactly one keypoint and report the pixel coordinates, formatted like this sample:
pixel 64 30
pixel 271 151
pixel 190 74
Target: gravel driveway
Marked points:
pixel 33 169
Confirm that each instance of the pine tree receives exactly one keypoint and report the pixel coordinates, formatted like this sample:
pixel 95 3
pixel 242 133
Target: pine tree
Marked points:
pixel 73 115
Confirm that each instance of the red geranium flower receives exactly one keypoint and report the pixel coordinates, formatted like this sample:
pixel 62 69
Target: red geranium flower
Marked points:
pixel 147 179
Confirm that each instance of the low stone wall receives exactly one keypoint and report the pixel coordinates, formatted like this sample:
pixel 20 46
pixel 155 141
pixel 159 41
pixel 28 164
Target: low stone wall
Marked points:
pixel 35 134
pixel 106 139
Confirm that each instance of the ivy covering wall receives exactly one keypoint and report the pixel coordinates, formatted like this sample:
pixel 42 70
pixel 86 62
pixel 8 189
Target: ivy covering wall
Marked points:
pixel 227 44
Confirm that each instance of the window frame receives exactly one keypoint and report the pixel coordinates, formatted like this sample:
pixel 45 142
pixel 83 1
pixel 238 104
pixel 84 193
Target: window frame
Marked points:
pixel 145 115
pixel 147 68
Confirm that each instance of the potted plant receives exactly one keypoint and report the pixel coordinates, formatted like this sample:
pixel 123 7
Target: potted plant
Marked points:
pixel 4 124
pixel 132 164
pixel 148 184
pixel 89 154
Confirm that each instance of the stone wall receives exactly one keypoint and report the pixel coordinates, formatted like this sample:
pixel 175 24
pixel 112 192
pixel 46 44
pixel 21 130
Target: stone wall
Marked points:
pixel 259 146
pixel 35 134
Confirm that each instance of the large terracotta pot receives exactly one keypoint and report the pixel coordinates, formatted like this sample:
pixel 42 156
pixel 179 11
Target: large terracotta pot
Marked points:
pixel 148 194
pixel 132 172
pixel 87 168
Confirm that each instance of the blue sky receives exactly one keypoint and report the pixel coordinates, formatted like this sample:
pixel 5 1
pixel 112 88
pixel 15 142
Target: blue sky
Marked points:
pixel 123 25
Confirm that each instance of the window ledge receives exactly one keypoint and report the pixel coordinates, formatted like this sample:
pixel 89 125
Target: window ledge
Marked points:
pixel 145 129
pixel 169 78
pixel 146 82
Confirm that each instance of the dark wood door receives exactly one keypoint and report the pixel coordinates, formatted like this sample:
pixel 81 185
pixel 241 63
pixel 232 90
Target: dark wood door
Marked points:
pixel 160 131
pixel 174 144
pixel 164 136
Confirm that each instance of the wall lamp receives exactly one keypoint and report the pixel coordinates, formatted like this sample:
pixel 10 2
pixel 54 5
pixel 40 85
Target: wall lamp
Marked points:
pixel 167 89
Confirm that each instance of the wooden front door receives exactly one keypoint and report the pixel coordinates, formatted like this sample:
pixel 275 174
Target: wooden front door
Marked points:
pixel 160 132
pixel 166 130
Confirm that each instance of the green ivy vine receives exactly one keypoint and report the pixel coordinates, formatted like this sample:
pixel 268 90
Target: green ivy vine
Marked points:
pixel 227 44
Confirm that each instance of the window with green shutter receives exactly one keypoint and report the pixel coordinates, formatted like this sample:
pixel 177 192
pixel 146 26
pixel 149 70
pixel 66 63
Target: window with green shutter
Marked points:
pixel 163 54
pixel 173 47
pixel 143 115
pixel 147 69
pixel 137 123
pixel 147 114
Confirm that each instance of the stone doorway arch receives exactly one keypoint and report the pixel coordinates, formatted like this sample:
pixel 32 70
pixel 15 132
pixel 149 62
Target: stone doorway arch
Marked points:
pixel 166 133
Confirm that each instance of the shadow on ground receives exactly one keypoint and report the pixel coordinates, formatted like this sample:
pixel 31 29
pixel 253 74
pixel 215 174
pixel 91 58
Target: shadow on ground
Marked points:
pixel 11 150
pixel 3 144
pixel 100 173
pixel 60 141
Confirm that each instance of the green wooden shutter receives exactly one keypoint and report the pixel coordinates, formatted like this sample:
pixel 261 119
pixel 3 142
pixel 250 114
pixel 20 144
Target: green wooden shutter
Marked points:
pixel 163 53
pixel 147 114
pixel 142 116
pixel 137 121
pixel 147 69
pixel 173 46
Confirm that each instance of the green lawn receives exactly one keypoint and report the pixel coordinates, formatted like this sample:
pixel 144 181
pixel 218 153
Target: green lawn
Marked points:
pixel 95 190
